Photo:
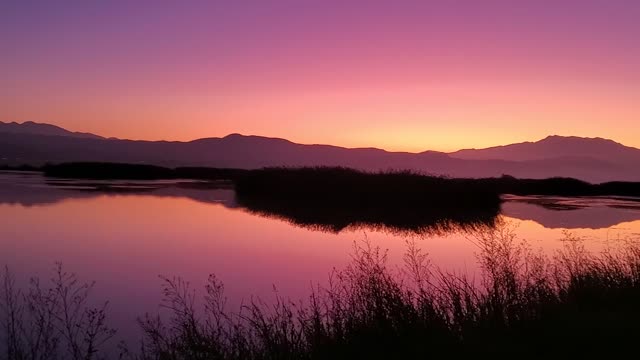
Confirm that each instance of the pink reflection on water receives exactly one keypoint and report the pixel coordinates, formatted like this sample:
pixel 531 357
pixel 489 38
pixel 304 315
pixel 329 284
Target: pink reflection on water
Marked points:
pixel 124 242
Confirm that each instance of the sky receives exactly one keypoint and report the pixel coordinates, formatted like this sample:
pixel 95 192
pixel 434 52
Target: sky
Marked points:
pixel 399 75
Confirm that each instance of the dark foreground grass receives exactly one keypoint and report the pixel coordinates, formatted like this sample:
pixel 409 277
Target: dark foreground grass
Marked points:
pixel 525 305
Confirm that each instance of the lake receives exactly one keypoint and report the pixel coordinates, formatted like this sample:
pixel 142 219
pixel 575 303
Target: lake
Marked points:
pixel 123 235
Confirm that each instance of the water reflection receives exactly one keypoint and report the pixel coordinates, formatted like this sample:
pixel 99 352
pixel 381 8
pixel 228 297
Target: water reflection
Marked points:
pixel 573 213
pixel 398 221
pixel 126 234
pixel 31 189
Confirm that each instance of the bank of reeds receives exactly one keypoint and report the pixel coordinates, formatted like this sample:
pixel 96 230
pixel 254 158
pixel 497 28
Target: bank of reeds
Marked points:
pixel 524 304
pixel 302 180
pixel 335 198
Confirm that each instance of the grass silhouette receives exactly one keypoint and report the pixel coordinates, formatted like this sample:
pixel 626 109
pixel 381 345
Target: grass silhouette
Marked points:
pixel 525 304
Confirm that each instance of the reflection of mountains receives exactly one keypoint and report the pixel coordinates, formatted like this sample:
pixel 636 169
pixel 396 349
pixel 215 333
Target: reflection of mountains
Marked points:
pixel 32 190
pixel 573 213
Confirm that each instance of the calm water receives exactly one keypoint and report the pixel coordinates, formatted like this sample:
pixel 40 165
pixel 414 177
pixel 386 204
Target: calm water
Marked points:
pixel 125 239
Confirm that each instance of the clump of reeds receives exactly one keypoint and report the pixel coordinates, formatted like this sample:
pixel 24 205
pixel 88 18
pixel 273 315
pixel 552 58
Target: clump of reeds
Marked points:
pixel 333 199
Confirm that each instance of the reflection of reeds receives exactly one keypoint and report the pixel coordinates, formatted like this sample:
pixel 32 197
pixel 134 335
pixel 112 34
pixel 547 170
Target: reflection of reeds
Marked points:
pixel 525 303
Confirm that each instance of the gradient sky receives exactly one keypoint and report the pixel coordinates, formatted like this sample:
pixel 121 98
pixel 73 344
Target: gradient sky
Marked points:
pixel 400 75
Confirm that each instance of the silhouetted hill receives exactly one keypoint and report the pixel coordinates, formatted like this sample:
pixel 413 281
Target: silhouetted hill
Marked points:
pixel 30 127
pixel 556 147
pixel 602 161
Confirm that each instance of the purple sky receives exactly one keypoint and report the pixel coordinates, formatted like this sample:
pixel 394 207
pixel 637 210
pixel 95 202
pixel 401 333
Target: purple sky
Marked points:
pixel 407 75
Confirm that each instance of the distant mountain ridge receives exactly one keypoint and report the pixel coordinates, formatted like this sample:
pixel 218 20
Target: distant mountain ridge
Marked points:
pixel 553 147
pixel 594 160
pixel 33 128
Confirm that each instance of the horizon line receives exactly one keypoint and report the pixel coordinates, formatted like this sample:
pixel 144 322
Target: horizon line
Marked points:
pixel 320 144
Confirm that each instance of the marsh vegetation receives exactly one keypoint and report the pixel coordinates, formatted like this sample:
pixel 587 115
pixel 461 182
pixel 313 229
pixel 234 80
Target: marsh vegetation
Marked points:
pixel 525 303
pixel 299 176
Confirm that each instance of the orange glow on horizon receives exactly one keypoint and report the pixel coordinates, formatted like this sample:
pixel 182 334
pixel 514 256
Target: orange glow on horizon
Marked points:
pixel 413 119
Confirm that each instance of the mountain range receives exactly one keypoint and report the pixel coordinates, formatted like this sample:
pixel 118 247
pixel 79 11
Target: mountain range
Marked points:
pixel 590 159
pixel 33 128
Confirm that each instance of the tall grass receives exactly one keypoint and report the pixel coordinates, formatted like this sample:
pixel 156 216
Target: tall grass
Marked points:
pixel 52 322
pixel 523 304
